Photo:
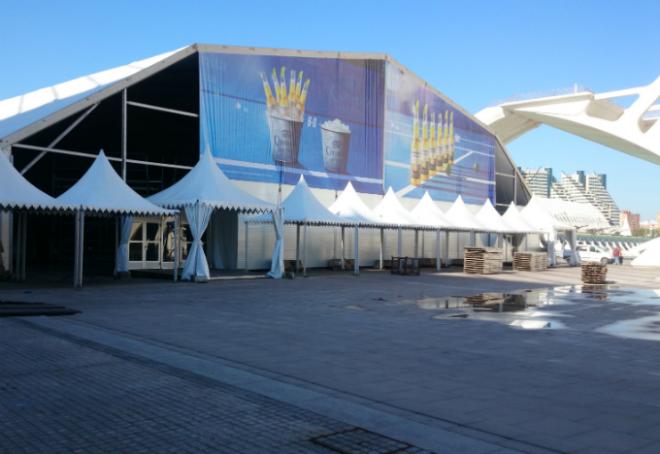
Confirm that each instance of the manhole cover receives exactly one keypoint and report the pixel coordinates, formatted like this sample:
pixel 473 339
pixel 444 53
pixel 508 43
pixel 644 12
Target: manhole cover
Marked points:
pixel 356 441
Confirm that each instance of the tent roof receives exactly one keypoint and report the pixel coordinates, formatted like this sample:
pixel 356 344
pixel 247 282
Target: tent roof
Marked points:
pixel 426 212
pixel 539 214
pixel 517 223
pixel 18 193
pixel 66 98
pixel 650 254
pixel 349 206
pixel 489 217
pixel 573 214
pixel 207 184
pixel 101 190
pixel 461 217
pixel 302 207
pixel 390 211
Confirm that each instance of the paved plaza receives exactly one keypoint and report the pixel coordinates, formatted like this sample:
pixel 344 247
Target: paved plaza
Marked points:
pixel 334 363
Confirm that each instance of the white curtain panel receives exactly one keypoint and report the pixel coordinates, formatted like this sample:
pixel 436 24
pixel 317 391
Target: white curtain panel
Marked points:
pixel 121 259
pixel 277 262
pixel 197 267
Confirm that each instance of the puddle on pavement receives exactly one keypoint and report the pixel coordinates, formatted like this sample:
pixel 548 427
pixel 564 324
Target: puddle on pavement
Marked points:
pixel 541 309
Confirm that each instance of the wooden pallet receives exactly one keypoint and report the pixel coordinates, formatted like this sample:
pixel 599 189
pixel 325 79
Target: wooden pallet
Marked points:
pixel 594 273
pixel 335 264
pixel 482 260
pixel 530 261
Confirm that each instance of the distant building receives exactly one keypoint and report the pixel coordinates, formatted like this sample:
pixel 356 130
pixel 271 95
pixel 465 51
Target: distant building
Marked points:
pixel 539 181
pixel 633 219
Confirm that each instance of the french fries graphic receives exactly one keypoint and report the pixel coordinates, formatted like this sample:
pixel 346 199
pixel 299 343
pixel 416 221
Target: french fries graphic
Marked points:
pixel 288 102
pixel 432 147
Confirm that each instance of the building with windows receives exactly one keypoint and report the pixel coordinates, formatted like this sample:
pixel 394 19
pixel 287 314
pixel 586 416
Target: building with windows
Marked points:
pixel 268 116
pixel 539 181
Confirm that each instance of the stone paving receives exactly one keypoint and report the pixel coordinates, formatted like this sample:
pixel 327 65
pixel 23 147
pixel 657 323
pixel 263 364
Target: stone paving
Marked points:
pixel 374 339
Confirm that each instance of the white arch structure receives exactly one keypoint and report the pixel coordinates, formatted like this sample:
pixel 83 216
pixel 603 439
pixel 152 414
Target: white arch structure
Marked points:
pixel 634 130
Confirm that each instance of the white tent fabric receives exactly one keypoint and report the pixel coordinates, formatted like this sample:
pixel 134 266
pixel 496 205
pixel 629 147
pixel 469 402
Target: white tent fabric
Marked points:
pixel 350 207
pixel 462 218
pixel 625 228
pixel 121 260
pixel 637 250
pixel 491 219
pixel 427 213
pixel 101 190
pixel 539 214
pixel 197 267
pixel 277 261
pixel 576 215
pixel 18 193
pixel 207 185
pixel 302 207
pixel 516 222
pixel 650 256
pixel 390 211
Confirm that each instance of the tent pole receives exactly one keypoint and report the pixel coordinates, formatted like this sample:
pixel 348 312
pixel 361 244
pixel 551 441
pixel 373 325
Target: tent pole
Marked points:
pixel 79 248
pixel 296 267
pixel 447 248
pixel 246 247
pixel 423 232
pixel 356 246
pixel 437 250
pixel 304 255
pixel 343 247
pixel 177 244
pixel 18 247
pixel 416 243
pixel 398 244
pixel 124 132
pixel 23 245
pixel 382 249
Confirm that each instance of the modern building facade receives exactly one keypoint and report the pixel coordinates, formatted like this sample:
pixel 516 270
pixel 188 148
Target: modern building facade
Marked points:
pixel 539 181
pixel 268 116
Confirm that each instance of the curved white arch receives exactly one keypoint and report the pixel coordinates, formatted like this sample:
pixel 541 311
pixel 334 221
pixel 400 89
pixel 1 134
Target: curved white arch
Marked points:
pixel 634 130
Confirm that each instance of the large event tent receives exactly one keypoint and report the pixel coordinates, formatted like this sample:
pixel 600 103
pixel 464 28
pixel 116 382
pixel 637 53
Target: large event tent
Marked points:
pixel 20 196
pixel 101 192
pixel 539 215
pixel 202 190
pixel 427 213
pixel 302 208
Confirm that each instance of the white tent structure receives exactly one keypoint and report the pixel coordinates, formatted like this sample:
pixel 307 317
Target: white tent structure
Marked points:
pixel 649 255
pixel 302 208
pixel 462 218
pixel 490 218
pixel 427 213
pixel 101 192
pixel 20 197
pixel 202 190
pixel 516 222
pixel 625 228
pixel 350 207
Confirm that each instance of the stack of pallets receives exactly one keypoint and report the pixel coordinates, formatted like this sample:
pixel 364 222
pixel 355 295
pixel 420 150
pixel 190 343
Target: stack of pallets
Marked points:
pixel 530 261
pixel 482 260
pixel 594 273
pixel 335 264
pixel 405 266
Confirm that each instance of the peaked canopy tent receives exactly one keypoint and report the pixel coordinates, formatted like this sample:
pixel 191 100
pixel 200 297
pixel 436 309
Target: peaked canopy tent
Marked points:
pixel 538 215
pixel 204 189
pixel 519 227
pixel 102 192
pixel 302 208
pixel 427 213
pixel 19 196
pixel 489 217
pixel 351 208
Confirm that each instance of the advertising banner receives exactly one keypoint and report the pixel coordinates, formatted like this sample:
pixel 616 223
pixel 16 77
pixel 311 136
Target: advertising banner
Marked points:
pixel 431 146
pixel 273 118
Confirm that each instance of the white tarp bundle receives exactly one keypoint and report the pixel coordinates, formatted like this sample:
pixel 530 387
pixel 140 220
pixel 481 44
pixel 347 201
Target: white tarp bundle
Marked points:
pixel 649 255
pixel 18 193
pixel 491 219
pixel 459 215
pixel 350 207
pixel 427 213
pixel 203 189
pixel 390 211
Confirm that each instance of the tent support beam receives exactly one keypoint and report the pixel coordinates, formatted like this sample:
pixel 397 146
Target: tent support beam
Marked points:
pixel 447 248
pixel 304 257
pixel 416 243
pixel 59 138
pixel 437 250
pixel 296 267
pixel 399 245
pixel 343 247
pixel 177 245
pixel 161 109
pixel 245 268
pixel 79 249
pixel 356 256
pixel 382 249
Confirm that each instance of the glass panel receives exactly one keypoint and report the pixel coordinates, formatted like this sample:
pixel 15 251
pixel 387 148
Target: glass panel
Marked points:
pixel 135 252
pixel 168 243
pixel 185 234
pixel 136 232
pixel 152 252
pixel 152 231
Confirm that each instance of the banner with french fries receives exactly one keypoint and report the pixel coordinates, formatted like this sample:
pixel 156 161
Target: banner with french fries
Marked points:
pixel 268 118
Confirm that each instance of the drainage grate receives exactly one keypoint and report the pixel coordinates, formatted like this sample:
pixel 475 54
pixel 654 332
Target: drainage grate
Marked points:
pixel 358 441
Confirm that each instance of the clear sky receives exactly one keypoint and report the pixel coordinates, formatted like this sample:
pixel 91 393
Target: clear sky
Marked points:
pixel 476 52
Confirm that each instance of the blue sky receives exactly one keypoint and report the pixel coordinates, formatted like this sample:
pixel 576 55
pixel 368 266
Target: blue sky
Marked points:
pixel 475 52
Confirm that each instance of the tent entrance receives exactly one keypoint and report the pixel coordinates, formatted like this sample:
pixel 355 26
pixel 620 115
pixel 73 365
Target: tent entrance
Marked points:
pixel 222 240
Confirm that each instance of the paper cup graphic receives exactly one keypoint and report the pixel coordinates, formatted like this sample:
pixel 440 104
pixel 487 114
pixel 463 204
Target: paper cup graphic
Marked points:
pixel 284 139
pixel 336 138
